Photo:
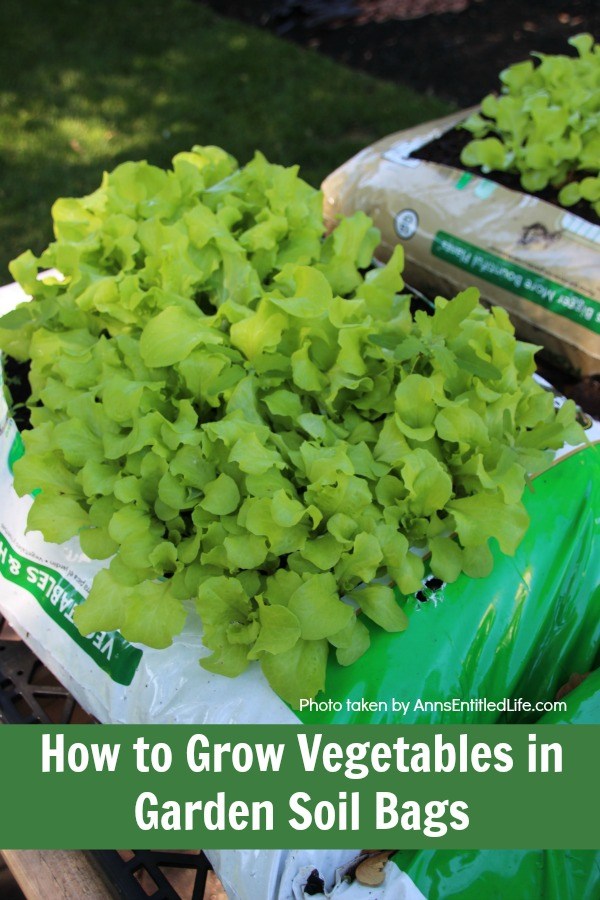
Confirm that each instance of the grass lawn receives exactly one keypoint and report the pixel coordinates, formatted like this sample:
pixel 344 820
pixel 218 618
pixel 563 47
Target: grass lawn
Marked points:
pixel 85 85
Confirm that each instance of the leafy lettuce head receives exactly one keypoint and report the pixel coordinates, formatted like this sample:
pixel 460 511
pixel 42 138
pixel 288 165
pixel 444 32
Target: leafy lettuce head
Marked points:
pixel 235 410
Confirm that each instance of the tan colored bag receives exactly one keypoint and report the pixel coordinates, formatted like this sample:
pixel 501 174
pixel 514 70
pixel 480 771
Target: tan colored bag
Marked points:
pixel 541 262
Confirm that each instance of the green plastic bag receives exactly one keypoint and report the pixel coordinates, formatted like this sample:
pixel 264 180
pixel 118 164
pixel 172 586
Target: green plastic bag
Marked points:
pixel 583 705
pixel 503 874
pixel 518 634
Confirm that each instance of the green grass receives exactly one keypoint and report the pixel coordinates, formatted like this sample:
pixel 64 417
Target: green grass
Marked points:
pixel 86 85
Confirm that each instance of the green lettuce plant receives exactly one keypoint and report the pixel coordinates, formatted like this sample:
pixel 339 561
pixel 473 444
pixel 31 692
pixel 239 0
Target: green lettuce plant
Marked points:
pixel 545 125
pixel 235 410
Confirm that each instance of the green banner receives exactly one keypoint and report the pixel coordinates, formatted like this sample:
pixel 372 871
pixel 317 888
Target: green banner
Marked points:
pixel 233 787
pixel 518 280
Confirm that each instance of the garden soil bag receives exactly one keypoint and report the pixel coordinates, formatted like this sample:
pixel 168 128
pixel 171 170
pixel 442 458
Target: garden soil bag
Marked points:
pixel 539 261
pixel 284 875
pixel 520 633
pixel 413 874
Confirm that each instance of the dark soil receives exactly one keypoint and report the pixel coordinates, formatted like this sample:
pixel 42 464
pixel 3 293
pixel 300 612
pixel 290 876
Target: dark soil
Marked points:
pixel 454 55
pixel 447 150
pixel 585 393
pixel 16 378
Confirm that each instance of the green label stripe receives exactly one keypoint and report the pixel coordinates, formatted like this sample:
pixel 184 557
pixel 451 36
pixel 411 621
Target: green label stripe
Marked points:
pixel 463 181
pixel 16 452
pixel 58 598
pixel 520 281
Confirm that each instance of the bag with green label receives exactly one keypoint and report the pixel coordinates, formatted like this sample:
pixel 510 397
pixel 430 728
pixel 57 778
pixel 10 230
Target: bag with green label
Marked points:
pixel 536 259
pixel 477 650
pixel 256 429
pixel 510 639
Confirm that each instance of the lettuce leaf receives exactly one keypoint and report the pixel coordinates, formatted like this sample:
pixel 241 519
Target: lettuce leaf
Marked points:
pixel 232 408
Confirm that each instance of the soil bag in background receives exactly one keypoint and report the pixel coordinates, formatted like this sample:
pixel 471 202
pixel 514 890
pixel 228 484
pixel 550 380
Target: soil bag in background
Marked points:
pixel 539 261
pixel 520 633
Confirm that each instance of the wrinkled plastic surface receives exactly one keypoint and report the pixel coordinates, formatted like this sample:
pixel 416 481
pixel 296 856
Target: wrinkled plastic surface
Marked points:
pixel 520 633
pixel 396 885
pixel 507 874
pixel 269 874
pixel 515 874
pixel 583 705
pixel 283 874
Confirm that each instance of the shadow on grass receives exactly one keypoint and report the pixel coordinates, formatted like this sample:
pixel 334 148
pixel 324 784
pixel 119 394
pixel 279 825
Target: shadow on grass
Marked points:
pixel 84 86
